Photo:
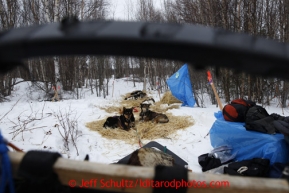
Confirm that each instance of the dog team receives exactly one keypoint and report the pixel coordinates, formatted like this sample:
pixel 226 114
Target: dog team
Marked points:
pixel 127 120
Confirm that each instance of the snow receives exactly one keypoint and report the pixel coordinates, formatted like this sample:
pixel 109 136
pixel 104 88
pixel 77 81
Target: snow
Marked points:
pixel 42 133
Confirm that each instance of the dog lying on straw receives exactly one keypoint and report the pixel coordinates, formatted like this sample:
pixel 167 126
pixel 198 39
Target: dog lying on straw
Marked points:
pixel 125 121
pixel 136 94
pixel 148 115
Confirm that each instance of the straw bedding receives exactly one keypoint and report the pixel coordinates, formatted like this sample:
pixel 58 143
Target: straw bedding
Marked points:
pixel 143 130
pixel 168 98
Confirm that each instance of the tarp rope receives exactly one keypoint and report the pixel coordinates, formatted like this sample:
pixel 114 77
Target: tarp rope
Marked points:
pixel 6 174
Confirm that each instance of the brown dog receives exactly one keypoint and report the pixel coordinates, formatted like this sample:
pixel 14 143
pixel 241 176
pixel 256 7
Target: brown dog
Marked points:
pixel 125 121
pixel 127 118
pixel 148 115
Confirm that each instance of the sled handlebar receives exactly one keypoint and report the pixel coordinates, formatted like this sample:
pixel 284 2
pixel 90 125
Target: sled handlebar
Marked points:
pixel 198 45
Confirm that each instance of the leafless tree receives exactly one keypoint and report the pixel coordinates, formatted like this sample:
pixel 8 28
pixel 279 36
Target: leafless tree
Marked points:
pixel 266 18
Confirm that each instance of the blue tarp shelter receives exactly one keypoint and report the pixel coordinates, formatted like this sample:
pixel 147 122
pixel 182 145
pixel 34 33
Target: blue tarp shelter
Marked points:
pixel 181 87
pixel 248 144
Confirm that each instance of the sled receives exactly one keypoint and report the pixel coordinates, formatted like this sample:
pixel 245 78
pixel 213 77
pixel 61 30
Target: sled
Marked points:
pixel 201 46
pixel 78 171
pixel 153 144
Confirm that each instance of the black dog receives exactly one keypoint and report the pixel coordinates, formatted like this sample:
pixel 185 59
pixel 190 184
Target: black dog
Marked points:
pixel 112 122
pixel 148 115
pixel 124 121
pixel 136 94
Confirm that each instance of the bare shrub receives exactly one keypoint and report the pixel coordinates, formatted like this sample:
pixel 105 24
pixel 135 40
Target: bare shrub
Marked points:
pixel 68 127
pixel 27 123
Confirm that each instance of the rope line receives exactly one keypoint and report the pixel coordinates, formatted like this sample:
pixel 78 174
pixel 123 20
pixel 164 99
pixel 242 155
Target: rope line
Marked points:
pixel 139 141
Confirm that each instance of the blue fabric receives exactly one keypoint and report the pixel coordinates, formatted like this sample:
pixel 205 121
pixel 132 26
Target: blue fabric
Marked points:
pixel 276 170
pixel 248 144
pixel 6 174
pixel 181 87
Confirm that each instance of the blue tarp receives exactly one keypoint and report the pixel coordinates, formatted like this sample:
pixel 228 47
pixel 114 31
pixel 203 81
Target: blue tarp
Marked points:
pixel 248 144
pixel 181 87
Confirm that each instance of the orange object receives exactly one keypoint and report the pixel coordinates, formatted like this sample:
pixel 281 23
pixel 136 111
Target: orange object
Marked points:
pixel 210 79
pixel 209 76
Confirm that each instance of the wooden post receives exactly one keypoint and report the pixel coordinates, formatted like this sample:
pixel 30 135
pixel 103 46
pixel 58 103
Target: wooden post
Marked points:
pixel 91 175
pixel 158 88
pixel 112 88
pixel 214 89
pixel 55 94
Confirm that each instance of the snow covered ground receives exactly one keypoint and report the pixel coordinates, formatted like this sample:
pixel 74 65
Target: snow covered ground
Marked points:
pixel 39 120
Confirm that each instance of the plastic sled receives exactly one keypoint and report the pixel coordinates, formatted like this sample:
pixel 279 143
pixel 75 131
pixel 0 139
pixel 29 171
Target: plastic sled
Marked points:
pixel 177 159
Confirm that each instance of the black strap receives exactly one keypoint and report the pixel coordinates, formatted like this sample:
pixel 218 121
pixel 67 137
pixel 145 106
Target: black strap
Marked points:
pixel 37 165
pixel 36 172
pixel 166 179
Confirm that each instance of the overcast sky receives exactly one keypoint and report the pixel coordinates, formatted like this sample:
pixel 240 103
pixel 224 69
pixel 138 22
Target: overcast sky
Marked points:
pixel 119 8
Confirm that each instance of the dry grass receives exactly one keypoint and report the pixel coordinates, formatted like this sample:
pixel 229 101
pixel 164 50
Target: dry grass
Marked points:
pixel 132 102
pixel 168 98
pixel 111 109
pixel 161 108
pixel 143 130
pixel 124 103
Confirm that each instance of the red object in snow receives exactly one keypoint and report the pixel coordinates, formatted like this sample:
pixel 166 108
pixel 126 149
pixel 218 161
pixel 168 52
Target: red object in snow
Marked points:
pixel 209 76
